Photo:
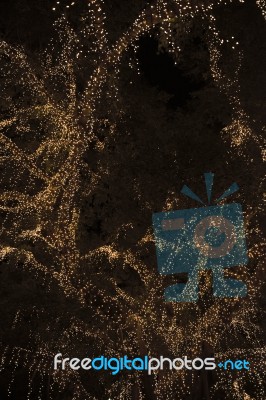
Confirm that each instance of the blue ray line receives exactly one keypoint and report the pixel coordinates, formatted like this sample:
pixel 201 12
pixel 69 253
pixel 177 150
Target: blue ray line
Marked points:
pixel 233 188
pixel 209 182
pixel 188 192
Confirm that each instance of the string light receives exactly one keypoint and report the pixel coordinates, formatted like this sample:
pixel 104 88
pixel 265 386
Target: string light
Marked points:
pixel 41 223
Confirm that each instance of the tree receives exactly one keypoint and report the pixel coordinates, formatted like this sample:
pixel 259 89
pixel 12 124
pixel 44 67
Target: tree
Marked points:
pixel 63 113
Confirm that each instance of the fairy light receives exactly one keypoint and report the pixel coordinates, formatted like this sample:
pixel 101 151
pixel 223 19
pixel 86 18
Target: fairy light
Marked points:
pixel 262 5
pixel 46 215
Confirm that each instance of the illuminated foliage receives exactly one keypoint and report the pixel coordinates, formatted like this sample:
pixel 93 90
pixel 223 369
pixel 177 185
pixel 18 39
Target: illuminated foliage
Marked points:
pixel 52 116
